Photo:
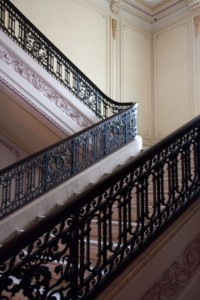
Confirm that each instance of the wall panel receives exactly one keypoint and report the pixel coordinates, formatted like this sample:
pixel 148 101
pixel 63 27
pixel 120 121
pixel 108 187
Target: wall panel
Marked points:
pixel 135 74
pixel 173 78
pixel 196 61
pixel 10 152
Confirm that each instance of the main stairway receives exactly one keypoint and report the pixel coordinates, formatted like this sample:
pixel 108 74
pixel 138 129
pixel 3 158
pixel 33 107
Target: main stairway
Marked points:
pixel 75 252
pixel 78 249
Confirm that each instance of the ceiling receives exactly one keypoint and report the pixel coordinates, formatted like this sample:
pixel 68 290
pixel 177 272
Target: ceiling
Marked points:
pixel 152 3
pixel 152 10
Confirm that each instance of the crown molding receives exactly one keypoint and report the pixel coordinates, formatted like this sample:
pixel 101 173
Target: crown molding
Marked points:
pixel 193 3
pixel 147 11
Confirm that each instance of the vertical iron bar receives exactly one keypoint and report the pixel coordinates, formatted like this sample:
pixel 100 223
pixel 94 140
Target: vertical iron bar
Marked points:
pixel 198 159
pixel 45 171
pixel 74 254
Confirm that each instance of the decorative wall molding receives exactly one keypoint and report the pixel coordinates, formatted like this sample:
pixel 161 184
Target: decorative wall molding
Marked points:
pixel 196 25
pixel 193 3
pixel 26 73
pixel 115 6
pixel 114 28
pixel 178 274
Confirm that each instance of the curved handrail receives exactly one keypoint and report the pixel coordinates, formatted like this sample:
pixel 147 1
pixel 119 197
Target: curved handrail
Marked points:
pixel 42 171
pixel 61 248
pixel 31 40
pixel 31 177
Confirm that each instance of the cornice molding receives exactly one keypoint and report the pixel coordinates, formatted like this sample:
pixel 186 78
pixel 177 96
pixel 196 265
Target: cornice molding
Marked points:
pixel 115 6
pixel 193 3
pixel 151 13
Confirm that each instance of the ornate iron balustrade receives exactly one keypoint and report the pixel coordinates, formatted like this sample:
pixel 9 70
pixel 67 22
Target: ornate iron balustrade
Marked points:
pixel 29 178
pixel 77 252
pixel 31 40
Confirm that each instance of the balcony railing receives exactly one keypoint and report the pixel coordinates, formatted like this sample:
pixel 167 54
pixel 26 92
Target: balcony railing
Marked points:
pixel 31 40
pixel 77 252
pixel 31 177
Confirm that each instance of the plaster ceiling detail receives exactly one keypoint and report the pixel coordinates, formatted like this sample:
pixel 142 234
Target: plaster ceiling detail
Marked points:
pixel 152 3
pixel 115 6
pixel 151 9
pixel 193 3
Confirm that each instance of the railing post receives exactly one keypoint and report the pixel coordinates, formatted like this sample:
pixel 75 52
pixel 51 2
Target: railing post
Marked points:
pixel 126 126
pixel 198 159
pixel 74 257
pixel 45 171
pixel 105 137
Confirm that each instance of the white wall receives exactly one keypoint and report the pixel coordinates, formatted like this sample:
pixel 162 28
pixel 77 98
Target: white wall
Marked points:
pixel 136 73
pixel 79 30
pixel 173 78
pixel 156 66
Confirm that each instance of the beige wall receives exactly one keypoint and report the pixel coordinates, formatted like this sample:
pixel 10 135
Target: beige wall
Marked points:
pixel 173 77
pixel 156 66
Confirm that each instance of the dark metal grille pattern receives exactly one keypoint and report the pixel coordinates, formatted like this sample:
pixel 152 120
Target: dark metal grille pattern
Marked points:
pixel 31 40
pixel 76 253
pixel 24 181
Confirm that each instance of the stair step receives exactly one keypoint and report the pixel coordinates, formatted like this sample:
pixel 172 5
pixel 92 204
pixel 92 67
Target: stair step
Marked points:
pixel 120 165
pixel 40 218
pixel 91 184
pixel 19 231
pixel 106 174
pixel 76 193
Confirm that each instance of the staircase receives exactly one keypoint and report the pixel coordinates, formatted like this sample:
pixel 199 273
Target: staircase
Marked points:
pixel 78 249
pixel 29 214
pixel 75 252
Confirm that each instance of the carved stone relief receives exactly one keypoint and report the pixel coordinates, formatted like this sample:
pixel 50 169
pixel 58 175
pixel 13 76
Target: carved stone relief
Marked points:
pixel 196 25
pixel 16 92
pixel 178 275
pixel 115 6
pixel 25 72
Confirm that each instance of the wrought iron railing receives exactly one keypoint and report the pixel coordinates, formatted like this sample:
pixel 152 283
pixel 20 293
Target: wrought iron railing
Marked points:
pixel 31 40
pixel 77 252
pixel 31 177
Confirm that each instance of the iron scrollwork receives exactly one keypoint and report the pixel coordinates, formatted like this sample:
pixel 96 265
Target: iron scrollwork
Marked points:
pixel 78 251
pixel 31 40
